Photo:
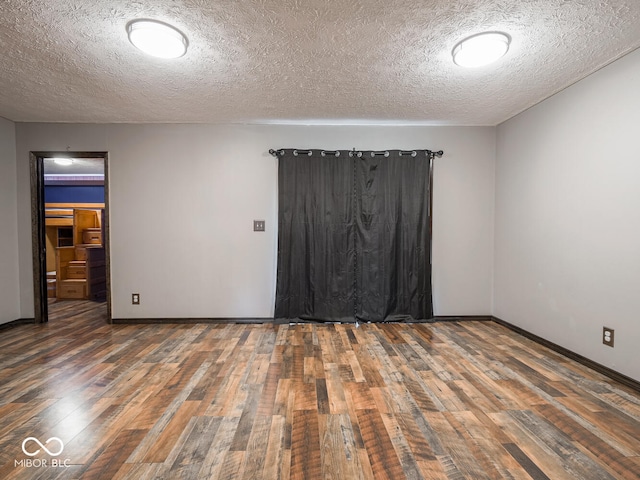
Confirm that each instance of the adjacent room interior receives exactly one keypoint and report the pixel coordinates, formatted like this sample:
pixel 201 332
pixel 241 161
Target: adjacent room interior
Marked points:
pixel 500 341
pixel 74 211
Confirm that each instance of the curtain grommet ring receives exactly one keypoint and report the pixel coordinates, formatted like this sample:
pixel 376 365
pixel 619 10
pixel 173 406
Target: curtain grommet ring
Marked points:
pixel 295 153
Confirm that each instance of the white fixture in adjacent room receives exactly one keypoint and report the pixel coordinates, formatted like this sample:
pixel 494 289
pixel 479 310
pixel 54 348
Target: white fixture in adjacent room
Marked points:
pixel 481 49
pixel 157 38
pixel 63 161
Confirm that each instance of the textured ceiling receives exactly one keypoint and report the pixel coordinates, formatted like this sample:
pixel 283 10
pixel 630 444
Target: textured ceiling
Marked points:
pixel 300 61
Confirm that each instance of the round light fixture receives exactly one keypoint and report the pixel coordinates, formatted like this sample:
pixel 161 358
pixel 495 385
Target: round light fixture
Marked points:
pixel 157 38
pixel 63 161
pixel 481 49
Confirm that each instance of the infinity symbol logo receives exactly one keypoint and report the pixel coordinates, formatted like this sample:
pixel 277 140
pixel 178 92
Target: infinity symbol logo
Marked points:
pixel 34 439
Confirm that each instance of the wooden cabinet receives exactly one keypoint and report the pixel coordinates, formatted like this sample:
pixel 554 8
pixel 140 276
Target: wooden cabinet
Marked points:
pixel 92 236
pixel 77 269
pixel 72 289
pixel 65 288
pixel 79 265
pixel 83 220
pixel 96 274
pixel 65 236
pixel 57 236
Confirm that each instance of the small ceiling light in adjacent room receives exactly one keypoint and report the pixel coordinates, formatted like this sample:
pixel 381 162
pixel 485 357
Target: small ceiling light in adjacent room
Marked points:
pixel 63 161
pixel 157 38
pixel 481 49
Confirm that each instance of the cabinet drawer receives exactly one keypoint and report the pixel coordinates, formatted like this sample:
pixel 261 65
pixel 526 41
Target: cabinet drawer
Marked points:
pixel 77 271
pixel 51 288
pixel 72 289
pixel 92 236
pixel 81 252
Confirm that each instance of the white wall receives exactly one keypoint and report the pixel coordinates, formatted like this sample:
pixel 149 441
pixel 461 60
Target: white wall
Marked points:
pixel 567 238
pixel 183 198
pixel 9 273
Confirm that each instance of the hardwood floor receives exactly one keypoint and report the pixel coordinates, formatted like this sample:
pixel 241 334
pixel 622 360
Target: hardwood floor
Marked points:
pixel 468 400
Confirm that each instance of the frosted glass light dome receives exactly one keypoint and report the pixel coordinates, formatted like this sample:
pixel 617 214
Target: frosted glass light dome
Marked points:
pixel 481 49
pixel 63 161
pixel 157 39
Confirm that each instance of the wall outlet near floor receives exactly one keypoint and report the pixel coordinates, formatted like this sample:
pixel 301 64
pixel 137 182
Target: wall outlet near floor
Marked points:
pixel 135 299
pixel 258 225
pixel 607 336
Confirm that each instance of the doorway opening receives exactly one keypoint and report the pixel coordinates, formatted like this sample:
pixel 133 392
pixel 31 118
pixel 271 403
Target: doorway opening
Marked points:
pixel 70 230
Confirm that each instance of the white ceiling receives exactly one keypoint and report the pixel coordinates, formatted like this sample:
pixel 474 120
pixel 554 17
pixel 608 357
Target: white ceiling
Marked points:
pixel 80 166
pixel 300 61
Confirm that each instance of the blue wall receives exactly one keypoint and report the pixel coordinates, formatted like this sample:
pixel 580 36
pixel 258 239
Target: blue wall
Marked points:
pixel 74 194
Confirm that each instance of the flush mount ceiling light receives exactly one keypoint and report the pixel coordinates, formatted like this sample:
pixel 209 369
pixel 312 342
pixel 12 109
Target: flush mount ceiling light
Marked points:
pixel 63 161
pixel 157 38
pixel 481 49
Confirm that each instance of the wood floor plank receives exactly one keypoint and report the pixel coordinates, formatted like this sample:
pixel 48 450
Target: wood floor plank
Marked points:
pixel 254 459
pixel 166 441
pixel 111 458
pixel 269 390
pixel 541 455
pixel 610 430
pixel 192 455
pixel 484 433
pixel 335 389
pixel 459 453
pixel 461 421
pixel 384 461
pixel 276 463
pixel 232 466
pixel 529 466
pixel 443 400
pixel 339 452
pixel 591 441
pixel 214 460
pixel 401 446
pixel 560 443
pixel 245 425
pixel 305 396
pixel 305 445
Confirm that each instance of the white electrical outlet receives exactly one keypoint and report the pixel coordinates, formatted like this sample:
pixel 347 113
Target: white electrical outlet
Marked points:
pixel 135 299
pixel 607 336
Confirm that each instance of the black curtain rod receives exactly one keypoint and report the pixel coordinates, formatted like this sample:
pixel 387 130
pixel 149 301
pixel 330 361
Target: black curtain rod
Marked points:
pixel 385 153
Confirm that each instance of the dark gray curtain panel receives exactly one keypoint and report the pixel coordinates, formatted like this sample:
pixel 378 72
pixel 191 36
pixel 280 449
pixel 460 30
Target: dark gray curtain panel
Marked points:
pixel 393 262
pixel 353 237
pixel 315 278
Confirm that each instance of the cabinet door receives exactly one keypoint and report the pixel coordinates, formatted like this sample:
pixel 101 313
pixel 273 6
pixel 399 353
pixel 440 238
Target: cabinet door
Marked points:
pixel 51 244
pixel 83 219
pixel 64 255
pixel 96 274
